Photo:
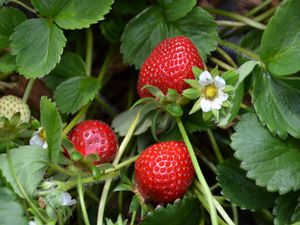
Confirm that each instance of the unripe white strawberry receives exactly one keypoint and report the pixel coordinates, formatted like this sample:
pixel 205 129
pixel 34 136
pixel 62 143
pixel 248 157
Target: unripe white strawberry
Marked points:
pixel 9 105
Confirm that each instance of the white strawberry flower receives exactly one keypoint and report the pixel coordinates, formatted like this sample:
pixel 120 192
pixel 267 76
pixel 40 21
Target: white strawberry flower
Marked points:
pixel 39 138
pixel 213 94
pixel 66 199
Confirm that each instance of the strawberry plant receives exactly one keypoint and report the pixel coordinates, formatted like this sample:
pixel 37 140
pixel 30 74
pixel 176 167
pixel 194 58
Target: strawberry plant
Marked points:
pixel 149 112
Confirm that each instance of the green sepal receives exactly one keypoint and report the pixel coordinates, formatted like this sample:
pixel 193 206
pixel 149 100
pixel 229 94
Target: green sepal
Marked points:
pixel 215 72
pixel 197 72
pixel 192 93
pixel 76 156
pixel 135 204
pixel 193 83
pixel 196 107
pixel 13 122
pixel 173 95
pixel 95 172
pixel 207 115
pixel 154 91
pixel 216 114
pixel 174 109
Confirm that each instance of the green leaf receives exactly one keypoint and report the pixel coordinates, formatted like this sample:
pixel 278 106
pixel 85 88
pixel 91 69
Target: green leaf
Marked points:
pixel 48 8
pixel 28 165
pixel 77 14
pixel 240 190
pixel 277 105
pixel 71 65
pixel 10 18
pixel 285 207
pixel 8 63
pixel 270 161
pixel 122 122
pixel 176 9
pixel 52 123
pixel 238 93
pixel 280 47
pixel 38 45
pixel 139 40
pixel 185 212
pixel 191 93
pixel 76 92
pixel 11 211
pixel 195 122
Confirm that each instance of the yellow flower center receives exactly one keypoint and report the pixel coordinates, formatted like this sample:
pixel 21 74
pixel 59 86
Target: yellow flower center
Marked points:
pixel 210 91
pixel 42 134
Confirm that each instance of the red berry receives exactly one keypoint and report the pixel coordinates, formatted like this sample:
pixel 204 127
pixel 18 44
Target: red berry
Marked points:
pixel 94 137
pixel 164 172
pixel 168 65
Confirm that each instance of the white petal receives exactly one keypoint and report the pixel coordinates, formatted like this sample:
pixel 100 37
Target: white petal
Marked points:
pixel 66 199
pixel 216 104
pixel 205 78
pixel 31 222
pixel 36 140
pixel 223 96
pixel 220 82
pixel 205 105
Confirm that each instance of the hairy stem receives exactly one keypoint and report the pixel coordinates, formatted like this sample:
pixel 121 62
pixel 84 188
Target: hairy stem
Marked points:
pixel 23 5
pixel 208 194
pixel 89 51
pixel 28 90
pixel 82 203
pixel 215 146
pixel 239 49
pixel 107 184
pixel 238 17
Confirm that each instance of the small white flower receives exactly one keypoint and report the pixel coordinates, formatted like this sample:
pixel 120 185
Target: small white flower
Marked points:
pixel 31 222
pixel 39 138
pixel 213 94
pixel 66 199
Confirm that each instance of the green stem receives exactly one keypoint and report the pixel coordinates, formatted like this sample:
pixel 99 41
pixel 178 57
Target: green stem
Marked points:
pixel 57 168
pixel 110 110
pixel 24 6
pixel 60 218
pixel 208 194
pixel 105 65
pixel 238 17
pixel 133 218
pixel 92 196
pixel 66 186
pixel 89 51
pixel 75 120
pixel 223 213
pixel 229 23
pixel 204 203
pixel 220 63
pixel 123 164
pixel 82 203
pixel 258 8
pixel 266 14
pixel 215 146
pixel 235 214
pixel 28 90
pixel 239 49
pixel 107 184
pixel 22 190
pixel 226 57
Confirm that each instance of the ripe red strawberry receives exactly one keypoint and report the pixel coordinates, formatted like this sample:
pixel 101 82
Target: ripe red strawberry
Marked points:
pixel 168 65
pixel 94 137
pixel 164 172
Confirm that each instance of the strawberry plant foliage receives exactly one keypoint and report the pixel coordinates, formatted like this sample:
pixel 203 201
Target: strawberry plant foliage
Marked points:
pixel 25 165
pixel 196 25
pixel 270 161
pixel 280 48
pixel 7 63
pixel 52 123
pixel 11 210
pixel 10 18
pixel 241 190
pixel 37 45
pixel 185 211
pixel 74 93
pixel 277 105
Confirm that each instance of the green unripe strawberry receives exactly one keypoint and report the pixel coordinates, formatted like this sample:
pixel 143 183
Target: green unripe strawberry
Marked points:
pixel 10 105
